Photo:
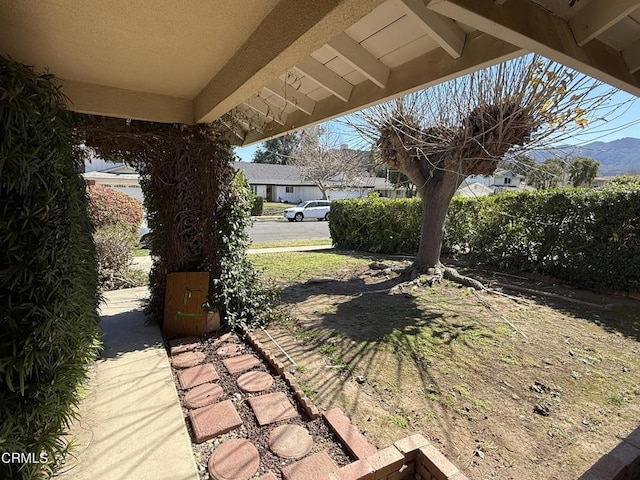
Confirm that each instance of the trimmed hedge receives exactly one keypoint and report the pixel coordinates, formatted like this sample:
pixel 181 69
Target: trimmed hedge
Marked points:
pixel 110 207
pixel 376 224
pixel 48 278
pixel 588 237
pixel 257 205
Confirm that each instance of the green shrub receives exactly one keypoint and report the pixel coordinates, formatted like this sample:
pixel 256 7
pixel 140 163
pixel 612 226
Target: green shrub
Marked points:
pixel 588 237
pixel 110 207
pixel 257 205
pixel 376 224
pixel 239 293
pixel 114 246
pixel 48 278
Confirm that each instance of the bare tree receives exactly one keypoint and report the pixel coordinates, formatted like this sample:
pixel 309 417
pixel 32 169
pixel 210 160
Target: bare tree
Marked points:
pixel 331 166
pixel 439 136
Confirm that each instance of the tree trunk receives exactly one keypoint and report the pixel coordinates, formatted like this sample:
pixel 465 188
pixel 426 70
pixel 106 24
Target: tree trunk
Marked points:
pixel 323 190
pixel 435 204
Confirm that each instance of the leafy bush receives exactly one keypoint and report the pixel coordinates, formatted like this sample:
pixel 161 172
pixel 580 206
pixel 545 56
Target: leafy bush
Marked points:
pixel 48 279
pixel 239 294
pixel 376 224
pixel 257 205
pixel 115 245
pixel 589 237
pixel 110 207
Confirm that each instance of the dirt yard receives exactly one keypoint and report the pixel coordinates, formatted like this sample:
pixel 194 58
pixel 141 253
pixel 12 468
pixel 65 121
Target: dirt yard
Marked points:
pixel 508 387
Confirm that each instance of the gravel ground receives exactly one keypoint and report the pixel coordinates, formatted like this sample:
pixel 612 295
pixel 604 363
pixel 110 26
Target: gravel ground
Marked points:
pixel 323 437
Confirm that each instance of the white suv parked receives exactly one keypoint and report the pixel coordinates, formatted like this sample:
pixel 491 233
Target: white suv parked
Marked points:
pixel 318 209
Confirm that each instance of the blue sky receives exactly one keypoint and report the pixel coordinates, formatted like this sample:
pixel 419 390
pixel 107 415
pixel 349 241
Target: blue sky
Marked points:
pixel 623 122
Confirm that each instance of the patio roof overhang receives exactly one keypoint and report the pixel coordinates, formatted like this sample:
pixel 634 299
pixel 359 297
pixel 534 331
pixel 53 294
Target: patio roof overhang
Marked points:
pixel 280 65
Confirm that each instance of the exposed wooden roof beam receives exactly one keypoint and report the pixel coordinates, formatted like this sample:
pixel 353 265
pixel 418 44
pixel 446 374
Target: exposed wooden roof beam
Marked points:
pixel 291 95
pixel 598 16
pixel 631 55
pixel 263 107
pixel 283 39
pixel 429 69
pixel 360 59
pixel 97 99
pixel 533 28
pixel 443 30
pixel 325 77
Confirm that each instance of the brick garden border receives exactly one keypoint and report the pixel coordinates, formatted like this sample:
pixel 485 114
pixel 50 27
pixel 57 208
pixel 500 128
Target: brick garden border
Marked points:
pixel 412 457
pixel 621 463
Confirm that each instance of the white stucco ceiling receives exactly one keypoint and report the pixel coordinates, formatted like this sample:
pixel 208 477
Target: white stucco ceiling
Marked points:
pixel 284 64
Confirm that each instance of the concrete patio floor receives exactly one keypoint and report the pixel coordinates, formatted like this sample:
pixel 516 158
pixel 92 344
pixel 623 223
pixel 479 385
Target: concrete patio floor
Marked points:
pixel 130 422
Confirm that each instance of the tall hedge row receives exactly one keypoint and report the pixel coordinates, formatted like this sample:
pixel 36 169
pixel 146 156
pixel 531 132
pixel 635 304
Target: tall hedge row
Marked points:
pixel 376 224
pixel 48 280
pixel 587 237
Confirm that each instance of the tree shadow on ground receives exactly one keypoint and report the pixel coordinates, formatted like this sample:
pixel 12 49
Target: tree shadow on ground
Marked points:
pixel 127 332
pixel 363 326
pixel 615 314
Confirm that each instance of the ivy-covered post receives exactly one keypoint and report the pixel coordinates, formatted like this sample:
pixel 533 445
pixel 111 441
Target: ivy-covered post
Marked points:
pixel 48 276
pixel 198 209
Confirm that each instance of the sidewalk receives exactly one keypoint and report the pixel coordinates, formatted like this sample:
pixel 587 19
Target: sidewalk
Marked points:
pixel 144 263
pixel 131 424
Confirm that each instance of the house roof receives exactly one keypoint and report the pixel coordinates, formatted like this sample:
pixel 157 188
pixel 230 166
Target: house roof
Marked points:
pixel 281 65
pixel 272 174
pixel 473 190
pixel 508 174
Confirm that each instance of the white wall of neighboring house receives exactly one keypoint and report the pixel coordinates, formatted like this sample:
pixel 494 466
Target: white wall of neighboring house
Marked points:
pixel 127 183
pixel 295 193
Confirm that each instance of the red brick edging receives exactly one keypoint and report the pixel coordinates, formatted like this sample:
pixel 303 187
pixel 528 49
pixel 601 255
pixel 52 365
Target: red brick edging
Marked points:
pixel 413 457
pixel 288 377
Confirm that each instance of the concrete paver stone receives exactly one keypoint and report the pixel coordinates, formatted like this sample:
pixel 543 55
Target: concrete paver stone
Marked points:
pixel 290 441
pixel 214 420
pixel 272 407
pixel 227 337
pixel 194 376
pixel 174 342
pixel 236 459
pixel 203 395
pixel 255 381
pixel 230 350
pixel 187 359
pixel 182 345
pixel 310 468
pixel 240 364
pixel 267 476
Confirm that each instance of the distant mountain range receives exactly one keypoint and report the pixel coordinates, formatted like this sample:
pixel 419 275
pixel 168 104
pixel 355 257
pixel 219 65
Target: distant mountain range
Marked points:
pixel 617 157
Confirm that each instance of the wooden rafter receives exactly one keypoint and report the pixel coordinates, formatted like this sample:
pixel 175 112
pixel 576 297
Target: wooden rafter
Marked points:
pixel 325 77
pixel 291 95
pixel 443 30
pixel 360 59
pixel 598 16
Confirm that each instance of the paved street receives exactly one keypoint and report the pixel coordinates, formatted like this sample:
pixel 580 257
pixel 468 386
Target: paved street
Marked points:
pixel 281 230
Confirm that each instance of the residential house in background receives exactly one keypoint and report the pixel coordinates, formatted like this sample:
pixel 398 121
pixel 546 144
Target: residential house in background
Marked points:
pixel 475 189
pixel 602 181
pixel 500 181
pixel 119 176
pixel 285 183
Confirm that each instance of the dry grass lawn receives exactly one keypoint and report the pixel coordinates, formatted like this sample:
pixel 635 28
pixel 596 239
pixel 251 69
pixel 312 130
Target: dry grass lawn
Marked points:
pixel 543 400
